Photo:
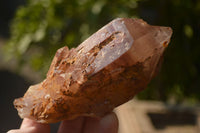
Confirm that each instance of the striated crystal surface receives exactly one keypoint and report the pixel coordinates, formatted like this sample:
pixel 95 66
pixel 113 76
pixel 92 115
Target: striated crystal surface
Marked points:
pixel 103 72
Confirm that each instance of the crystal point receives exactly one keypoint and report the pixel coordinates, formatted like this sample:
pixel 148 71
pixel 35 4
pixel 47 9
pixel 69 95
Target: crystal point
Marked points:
pixel 103 72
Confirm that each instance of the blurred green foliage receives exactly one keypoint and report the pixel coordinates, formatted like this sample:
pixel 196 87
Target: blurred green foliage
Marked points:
pixel 43 26
pixel 179 77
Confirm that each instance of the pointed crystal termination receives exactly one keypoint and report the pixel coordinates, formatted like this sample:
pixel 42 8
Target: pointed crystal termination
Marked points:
pixel 103 72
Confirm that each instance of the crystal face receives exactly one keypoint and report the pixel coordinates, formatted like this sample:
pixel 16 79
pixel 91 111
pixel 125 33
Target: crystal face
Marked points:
pixel 103 72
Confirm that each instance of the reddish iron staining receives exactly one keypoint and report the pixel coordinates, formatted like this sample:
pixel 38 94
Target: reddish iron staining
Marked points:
pixel 165 44
pixel 82 82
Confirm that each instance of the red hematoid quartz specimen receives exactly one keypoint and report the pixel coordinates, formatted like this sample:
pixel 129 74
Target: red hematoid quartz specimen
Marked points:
pixel 103 72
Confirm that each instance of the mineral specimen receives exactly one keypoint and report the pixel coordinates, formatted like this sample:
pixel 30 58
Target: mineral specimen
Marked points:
pixel 103 72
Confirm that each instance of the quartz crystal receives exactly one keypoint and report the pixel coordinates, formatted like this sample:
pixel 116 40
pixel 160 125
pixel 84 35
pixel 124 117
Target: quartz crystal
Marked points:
pixel 103 72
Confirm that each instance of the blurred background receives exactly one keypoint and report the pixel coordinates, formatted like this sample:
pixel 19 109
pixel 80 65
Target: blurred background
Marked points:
pixel 32 30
